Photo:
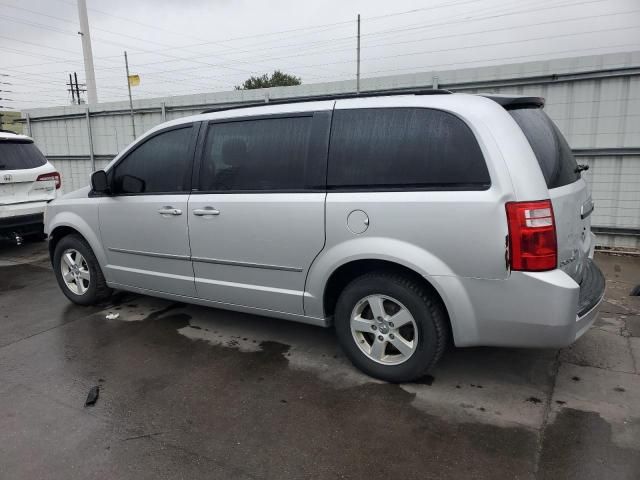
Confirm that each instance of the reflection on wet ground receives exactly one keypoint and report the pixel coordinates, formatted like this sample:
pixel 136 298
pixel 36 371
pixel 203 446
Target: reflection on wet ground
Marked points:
pixel 190 392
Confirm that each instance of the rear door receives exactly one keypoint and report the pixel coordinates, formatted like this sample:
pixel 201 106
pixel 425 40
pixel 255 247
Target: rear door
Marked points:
pixel 256 218
pixel 21 164
pixel 572 204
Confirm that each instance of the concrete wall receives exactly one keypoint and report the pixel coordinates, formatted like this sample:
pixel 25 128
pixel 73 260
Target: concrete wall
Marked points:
pixel 595 100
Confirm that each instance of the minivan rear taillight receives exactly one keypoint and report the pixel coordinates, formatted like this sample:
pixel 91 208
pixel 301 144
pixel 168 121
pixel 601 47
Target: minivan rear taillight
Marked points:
pixel 45 177
pixel 532 236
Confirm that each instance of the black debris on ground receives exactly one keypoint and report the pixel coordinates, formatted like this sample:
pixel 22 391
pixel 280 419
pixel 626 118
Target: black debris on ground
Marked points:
pixel 92 396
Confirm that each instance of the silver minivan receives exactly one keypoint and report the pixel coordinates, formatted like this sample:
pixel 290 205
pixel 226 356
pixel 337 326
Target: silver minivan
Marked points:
pixel 405 221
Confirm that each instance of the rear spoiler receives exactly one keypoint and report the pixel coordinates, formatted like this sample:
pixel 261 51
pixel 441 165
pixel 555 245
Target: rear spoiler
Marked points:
pixel 513 102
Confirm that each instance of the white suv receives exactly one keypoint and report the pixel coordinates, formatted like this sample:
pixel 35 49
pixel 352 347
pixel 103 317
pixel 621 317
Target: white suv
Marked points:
pixel 404 220
pixel 27 183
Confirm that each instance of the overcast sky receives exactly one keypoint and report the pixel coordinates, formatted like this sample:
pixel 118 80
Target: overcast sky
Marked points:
pixel 190 46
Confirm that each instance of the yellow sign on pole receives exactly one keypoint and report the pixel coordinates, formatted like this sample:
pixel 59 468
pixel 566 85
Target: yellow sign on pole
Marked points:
pixel 134 80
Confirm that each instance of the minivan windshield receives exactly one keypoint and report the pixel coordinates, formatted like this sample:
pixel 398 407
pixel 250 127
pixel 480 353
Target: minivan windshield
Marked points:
pixel 20 155
pixel 554 155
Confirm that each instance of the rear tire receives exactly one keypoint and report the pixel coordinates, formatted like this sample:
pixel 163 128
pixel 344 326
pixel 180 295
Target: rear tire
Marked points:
pixel 78 272
pixel 409 316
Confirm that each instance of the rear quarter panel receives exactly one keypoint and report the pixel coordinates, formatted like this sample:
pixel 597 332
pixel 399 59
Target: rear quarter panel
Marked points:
pixel 439 234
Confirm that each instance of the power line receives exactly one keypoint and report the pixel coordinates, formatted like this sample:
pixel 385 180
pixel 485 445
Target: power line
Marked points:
pixel 493 30
pixel 321 50
pixel 345 22
pixel 508 42
pixel 158 52
pixel 501 59
pixel 305 51
pixel 214 42
pixel 438 24
pixel 424 52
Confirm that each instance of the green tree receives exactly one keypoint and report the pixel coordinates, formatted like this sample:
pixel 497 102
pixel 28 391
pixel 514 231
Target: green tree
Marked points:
pixel 276 79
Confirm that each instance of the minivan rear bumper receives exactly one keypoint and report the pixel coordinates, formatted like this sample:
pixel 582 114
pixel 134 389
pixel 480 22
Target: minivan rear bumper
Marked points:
pixel 530 309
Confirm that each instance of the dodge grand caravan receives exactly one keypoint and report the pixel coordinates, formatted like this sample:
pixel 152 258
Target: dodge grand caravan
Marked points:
pixel 402 220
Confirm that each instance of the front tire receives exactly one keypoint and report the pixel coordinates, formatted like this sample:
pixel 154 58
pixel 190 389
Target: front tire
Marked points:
pixel 390 326
pixel 78 272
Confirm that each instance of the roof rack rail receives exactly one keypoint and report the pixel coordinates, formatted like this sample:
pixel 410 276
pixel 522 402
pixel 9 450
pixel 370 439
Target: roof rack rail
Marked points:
pixel 335 96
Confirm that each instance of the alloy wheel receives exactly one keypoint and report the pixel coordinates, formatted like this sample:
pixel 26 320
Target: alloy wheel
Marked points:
pixel 384 329
pixel 75 271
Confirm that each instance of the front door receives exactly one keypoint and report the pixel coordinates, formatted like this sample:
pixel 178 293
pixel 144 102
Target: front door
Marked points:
pixel 143 224
pixel 257 218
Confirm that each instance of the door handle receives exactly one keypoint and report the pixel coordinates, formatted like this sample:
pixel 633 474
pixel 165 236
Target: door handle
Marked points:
pixel 169 211
pixel 200 212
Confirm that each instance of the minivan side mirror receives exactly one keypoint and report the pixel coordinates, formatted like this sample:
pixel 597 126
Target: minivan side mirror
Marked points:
pixel 99 182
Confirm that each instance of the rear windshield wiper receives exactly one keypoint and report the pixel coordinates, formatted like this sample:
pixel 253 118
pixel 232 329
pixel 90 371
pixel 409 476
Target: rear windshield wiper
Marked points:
pixel 581 168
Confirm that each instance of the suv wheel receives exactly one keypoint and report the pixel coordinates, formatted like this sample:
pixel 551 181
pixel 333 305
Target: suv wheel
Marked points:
pixel 390 326
pixel 78 272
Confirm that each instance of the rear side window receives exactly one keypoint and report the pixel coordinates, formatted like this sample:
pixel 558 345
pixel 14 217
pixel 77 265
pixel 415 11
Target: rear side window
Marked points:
pixel 554 155
pixel 254 155
pixel 20 155
pixel 393 148
pixel 161 164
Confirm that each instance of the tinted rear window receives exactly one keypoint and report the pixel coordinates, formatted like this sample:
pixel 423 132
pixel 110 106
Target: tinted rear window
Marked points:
pixel 404 148
pixel 554 155
pixel 264 154
pixel 20 155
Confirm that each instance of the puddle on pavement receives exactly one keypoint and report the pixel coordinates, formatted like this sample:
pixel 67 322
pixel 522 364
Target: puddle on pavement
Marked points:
pixel 578 444
pixel 262 396
pixel 313 350
pixel 143 308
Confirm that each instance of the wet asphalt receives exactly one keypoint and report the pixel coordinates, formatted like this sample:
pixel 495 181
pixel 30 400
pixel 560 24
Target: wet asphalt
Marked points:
pixel 192 392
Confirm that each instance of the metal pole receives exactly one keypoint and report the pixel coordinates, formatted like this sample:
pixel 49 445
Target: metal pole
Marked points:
pixel 75 75
pixel 89 73
pixel 163 111
pixel 133 120
pixel 73 92
pixel 91 155
pixel 358 72
pixel 28 119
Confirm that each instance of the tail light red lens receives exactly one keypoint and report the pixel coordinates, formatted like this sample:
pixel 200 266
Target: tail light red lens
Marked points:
pixel 533 245
pixel 45 177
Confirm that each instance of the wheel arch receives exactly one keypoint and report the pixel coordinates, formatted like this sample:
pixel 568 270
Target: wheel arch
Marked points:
pixel 68 223
pixel 347 272
pixel 359 255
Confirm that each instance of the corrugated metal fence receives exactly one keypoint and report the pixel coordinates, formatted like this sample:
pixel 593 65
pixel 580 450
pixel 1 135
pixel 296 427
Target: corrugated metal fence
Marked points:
pixel 594 100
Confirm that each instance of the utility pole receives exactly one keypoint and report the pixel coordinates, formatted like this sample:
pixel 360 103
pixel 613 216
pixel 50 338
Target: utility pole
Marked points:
pixel 89 72
pixel 72 90
pixel 358 71
pixel 75 75
pixel 133 120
